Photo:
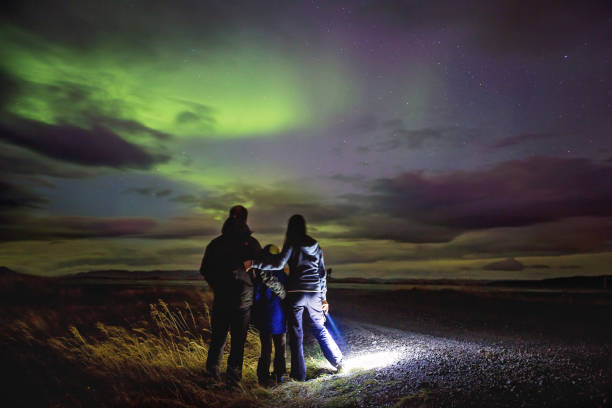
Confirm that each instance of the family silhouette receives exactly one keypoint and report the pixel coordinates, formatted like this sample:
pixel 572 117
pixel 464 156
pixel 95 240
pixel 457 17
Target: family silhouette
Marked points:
pixel 248 281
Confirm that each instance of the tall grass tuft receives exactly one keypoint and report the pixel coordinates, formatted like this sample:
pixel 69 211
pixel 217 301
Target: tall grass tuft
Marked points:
pixel 158 361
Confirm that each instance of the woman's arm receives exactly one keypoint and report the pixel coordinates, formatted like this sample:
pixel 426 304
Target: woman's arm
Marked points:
pixel 272 262
pixel 271 281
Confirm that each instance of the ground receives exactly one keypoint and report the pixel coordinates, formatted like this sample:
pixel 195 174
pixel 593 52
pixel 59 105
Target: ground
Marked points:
pixel 131 345
pixel 454 349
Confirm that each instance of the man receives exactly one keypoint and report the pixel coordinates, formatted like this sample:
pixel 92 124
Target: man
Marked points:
pixel 222 267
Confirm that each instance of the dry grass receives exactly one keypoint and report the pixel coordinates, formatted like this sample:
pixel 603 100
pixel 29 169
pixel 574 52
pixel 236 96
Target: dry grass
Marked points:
pixel 154 359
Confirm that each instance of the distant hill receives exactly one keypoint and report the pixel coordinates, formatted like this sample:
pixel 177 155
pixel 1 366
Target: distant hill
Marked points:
pixel 401 281
pixel 509 264
pixel 574 282
pixel 9 274
pixel 15 282
pixel 6 272
pixel 137 275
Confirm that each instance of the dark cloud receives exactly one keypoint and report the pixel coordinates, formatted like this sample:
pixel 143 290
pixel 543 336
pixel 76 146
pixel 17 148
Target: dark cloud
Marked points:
pixel 91 147
pixel 419 208
pixel 163 193
pixel 149 191
pixel 187 117
pixel 570 236
pixel 187 199
pixel 512 193
pixel 567 236
pixel 197 114
pixel 385 227
pixel 146 191
pixel 8 89
pixel 185 226
pixel 126 125
pixel 509 264
pixel 178 255
pixel 18 161
pixel 522 138
pixel 77 103
pixel 16 197
pixel 271 208
pixel 129 260
pixel 19 227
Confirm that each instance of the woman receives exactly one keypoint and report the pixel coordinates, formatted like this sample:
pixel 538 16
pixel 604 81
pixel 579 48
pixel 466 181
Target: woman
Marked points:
pixel 271 322
pixel 306 291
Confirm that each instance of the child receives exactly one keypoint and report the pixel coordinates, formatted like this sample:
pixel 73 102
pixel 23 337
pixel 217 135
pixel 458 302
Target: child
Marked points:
pixel 269 318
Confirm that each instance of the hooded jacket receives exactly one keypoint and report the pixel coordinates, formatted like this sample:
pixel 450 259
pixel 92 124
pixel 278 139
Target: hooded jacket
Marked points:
pixel 268 311
pixel 222 266
pixel 306 265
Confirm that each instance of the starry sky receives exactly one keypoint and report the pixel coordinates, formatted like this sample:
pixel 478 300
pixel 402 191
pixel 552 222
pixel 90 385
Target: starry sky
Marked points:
pixel 420 139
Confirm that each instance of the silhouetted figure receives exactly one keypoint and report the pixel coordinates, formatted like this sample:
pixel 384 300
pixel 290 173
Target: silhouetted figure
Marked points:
pixel 222 267
pixel 270 320
pixel 239 212
pixel 306 291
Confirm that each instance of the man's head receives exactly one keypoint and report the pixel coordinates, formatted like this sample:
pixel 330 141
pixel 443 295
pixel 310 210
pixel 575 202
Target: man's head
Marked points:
pixel 239 213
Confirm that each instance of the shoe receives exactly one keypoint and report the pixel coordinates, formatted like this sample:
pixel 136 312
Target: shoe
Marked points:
pixel 281 379
pixel 339 367
pixel 267 381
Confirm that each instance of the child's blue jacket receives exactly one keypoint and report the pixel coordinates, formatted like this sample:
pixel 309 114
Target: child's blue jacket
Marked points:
pixel 268 311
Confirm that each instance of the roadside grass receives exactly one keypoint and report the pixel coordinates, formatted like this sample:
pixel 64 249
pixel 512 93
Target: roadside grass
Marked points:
pixel 154 359
pixel 421 399
pixel 323 388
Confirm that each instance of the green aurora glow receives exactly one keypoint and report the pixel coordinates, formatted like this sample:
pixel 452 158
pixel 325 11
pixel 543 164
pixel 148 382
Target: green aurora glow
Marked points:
pixel 239 91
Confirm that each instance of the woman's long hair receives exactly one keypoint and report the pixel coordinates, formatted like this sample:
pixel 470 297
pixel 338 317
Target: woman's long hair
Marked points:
pixel 296 230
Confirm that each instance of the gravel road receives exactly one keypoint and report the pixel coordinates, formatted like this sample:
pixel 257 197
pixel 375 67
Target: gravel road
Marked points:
pixel 419 349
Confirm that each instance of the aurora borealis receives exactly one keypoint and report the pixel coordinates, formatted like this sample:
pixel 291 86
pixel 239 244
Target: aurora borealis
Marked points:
pixel 419 139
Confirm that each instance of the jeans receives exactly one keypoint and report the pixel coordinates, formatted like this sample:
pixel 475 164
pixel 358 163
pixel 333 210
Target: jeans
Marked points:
pixel 263 365
pixel 226 318
pixel 311 302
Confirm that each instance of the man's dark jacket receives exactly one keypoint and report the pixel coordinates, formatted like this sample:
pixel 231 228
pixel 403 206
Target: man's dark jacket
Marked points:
pixel 222 266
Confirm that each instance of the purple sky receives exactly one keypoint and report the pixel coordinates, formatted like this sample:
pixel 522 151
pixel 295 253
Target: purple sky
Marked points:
pixel 419 139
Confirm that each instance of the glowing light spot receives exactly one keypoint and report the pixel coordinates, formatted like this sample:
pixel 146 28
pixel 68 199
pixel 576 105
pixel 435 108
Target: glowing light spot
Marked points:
pixel 371 361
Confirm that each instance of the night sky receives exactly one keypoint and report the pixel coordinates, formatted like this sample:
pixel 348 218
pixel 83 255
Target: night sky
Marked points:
pixel 420 139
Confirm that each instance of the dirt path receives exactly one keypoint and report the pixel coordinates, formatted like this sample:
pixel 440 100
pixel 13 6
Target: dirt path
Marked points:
pixel 391 366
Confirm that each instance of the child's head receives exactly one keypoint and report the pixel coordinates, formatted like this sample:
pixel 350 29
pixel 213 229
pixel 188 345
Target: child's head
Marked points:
pixel 272 249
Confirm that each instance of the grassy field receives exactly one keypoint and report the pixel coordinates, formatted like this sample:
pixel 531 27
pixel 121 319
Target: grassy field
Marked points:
pixel 126 346
pixel 113 346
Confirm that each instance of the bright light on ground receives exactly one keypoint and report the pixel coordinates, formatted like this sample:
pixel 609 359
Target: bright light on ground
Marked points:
pixel 368 361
